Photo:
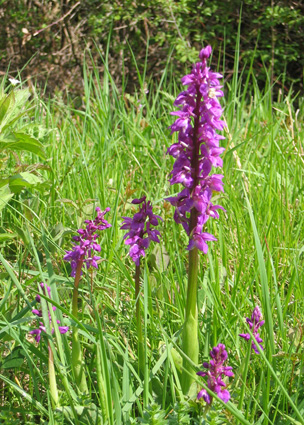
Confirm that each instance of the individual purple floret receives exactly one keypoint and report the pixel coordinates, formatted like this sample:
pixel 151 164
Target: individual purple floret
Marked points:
pixel 140 231
pixel 254 323
pixel 197 151
pixel 37 332
pixel 83 251
pixel 215 373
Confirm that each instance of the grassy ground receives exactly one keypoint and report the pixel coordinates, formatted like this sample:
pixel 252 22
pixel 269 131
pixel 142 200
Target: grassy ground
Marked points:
pixel 105 153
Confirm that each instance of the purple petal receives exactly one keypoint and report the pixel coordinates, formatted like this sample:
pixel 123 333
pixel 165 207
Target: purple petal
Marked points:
pixel 224 395
pixel 245 336
pixel 63 329
pixel 203 394
pixel 138 201
pixel 205 53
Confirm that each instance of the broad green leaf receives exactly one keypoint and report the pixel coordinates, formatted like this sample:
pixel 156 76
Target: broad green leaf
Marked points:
pixel 13 120
pixel 5 196
pixel 14 360
pixel 4 182
pixel 11 106
pixel 22 142
pixel 21 96
pixel 5 106
pixel 22 180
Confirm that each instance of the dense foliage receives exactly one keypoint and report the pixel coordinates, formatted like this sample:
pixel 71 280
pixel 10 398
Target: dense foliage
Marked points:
pixel 52 37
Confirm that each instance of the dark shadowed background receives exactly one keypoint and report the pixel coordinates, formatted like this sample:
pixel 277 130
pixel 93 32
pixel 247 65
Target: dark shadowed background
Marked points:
pixel 47 40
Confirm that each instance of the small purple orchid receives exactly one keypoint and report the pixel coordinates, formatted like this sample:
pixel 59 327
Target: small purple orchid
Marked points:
pixel 215 372
pixel 254 323
pixel 87 243
pixel 140 226
pixel 37 332
pixel 197 151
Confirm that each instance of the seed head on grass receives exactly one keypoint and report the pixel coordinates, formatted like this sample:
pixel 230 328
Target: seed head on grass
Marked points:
pixel 215 372
pixel 197 151
pixel 140 231
pixel 37 332
pixel 83 251
pixel 254 323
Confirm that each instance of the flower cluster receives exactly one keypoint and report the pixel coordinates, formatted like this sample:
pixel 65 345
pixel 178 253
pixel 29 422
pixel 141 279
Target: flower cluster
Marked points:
pixel 140 226
pixel 215 372
pixel 37 332
pixel 83 251
pixel 254 323
pixel 197 150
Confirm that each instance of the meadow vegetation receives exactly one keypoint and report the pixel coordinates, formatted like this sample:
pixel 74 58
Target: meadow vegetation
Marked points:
pixel 105 153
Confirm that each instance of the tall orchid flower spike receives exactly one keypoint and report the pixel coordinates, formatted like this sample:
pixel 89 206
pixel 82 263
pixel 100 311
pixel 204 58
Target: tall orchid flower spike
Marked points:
pixel 215 372
pixel 196 151
pixel 254 323
pixel 140 232
pixel 83 251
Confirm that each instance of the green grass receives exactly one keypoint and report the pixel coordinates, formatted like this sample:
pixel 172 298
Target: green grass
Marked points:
pixel 105 153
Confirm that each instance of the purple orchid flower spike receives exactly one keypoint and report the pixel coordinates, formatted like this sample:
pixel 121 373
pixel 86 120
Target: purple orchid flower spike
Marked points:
pixel 140 232
pixel 84 250
pixel 254 324
pixel 37 332
pixel 197 151
pixel 215 372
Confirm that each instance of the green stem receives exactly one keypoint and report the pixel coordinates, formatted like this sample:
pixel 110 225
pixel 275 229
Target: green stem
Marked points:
pixel 140 346
pixel 190 332
pixel 77 360
pixel 52 378
pixel 101 385
pixel 247 361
